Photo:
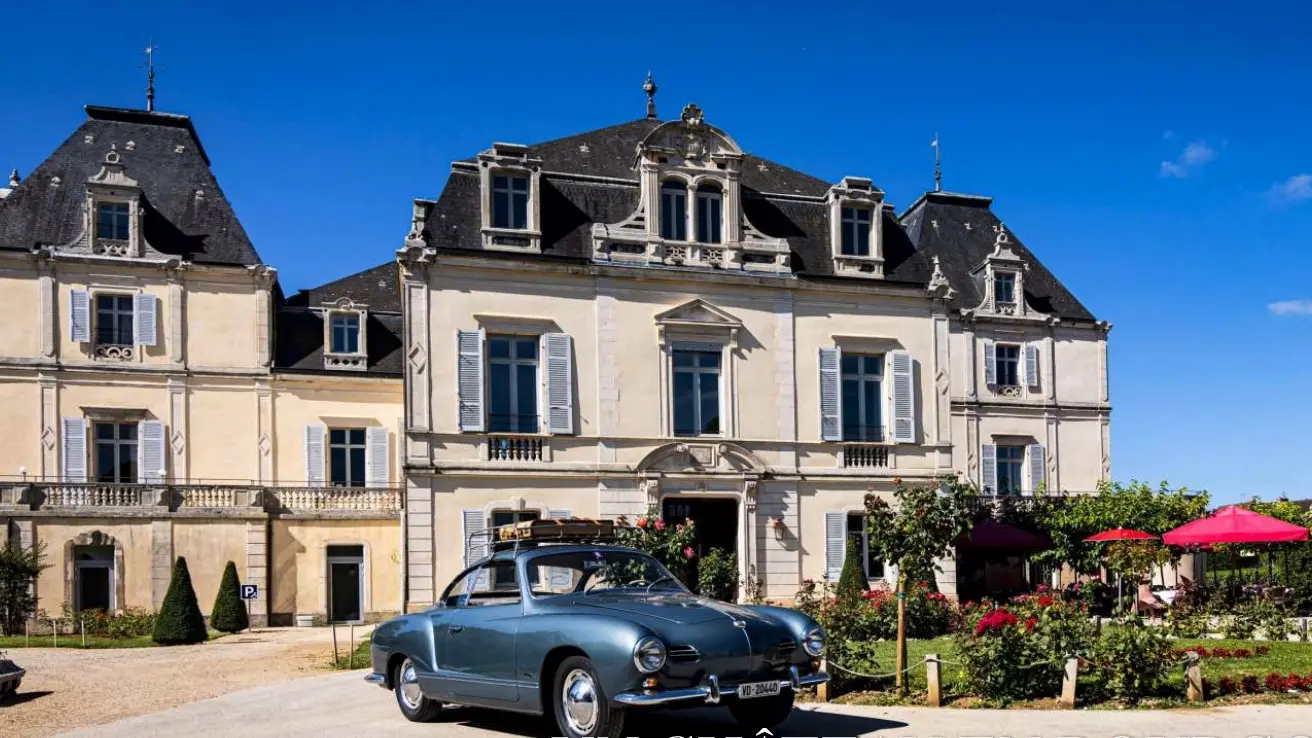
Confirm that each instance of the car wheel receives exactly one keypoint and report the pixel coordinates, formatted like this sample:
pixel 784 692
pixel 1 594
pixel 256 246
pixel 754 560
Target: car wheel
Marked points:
pixel 761 712
pixel 410 698
pixel 579 703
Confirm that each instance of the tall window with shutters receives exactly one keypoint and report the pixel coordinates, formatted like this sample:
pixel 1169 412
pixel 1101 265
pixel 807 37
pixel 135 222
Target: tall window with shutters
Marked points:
pixel 512 390
pixel 855 389
pixel 863 397
pixel 109 319
pixel 1011 367
pixel 1012 469
pixel 515 384
pixel 115 452
pixel 346 457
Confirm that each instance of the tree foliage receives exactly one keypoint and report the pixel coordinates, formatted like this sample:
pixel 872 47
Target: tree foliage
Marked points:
pixel 229 613
pixel 921 527
pixel 19 568
pixel 180 620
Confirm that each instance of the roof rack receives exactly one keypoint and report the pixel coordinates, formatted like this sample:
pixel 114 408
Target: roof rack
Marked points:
pixel 548 530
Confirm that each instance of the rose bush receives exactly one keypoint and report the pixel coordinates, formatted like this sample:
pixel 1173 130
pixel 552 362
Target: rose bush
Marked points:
pixel 671 544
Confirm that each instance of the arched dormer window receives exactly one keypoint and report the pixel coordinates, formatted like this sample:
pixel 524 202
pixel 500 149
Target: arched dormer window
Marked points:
pixel 674 211
pixel 710 205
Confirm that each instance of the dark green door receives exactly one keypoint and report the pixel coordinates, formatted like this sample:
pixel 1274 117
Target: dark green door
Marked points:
pixel 345 584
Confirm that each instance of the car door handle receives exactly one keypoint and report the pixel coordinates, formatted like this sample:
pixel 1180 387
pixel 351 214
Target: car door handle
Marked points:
pixel 456 628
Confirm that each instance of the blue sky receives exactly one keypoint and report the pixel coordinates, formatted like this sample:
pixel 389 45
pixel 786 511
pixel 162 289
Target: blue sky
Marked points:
pixel 1154 155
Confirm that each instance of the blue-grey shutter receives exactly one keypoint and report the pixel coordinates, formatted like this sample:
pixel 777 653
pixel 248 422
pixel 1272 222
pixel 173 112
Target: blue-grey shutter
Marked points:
pixel 476 541
pixel 144 317
pixel 988 468
pixel 831 400
pixel 1032 365
pixel 314 471
pixel 990 363
pixel 469 378
pixel 558 359
pixel 559 514
pixel 835 544
pixel 150 452
pixel 75 450
pixel 377 456
pixel 79 316
pixel 561 577
pixel 1038 468
pixel 904 397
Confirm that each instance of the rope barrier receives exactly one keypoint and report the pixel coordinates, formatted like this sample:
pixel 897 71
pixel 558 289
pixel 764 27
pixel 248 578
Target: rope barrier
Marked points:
pixel 840 667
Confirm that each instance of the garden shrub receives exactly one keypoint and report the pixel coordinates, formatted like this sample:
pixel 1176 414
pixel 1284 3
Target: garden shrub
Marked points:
pixel 717 575
pixel 1186 624
pixel 852 579
pixel 131 622
pixel 19 568
pixel 180 620
pixel 1131 660
pixel 670 544
pixel 1246 619
pixel 229 613
pixel 873 615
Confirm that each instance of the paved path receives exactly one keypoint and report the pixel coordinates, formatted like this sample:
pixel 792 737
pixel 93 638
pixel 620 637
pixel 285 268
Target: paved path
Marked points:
pixel 343 705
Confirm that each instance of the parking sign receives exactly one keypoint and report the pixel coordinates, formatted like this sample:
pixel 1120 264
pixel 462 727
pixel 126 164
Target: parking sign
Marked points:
pixel 249 591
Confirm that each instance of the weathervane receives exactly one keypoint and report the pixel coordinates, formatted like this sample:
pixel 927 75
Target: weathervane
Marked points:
pixel 938 170
pixel 150 75
pixel 649 87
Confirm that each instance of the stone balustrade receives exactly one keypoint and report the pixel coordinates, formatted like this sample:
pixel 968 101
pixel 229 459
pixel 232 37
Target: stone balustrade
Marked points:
pixel 370 499
pixel 221 499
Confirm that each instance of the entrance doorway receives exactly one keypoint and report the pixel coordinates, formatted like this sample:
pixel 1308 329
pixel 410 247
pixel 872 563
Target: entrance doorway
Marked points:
pixel 93 578
pixel 716 521
pixel 345 584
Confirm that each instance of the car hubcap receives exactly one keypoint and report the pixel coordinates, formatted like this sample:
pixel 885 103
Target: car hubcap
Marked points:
pixel 410 693
pixel 580 698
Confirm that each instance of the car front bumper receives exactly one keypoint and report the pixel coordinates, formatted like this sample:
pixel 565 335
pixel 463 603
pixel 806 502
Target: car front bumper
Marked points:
pixel 712 691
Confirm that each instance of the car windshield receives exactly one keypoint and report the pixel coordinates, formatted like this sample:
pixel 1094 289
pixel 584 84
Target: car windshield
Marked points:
pixel 595 571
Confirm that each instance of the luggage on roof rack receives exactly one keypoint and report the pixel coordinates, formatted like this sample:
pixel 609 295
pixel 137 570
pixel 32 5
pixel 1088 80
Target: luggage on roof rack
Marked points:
pixel 556 529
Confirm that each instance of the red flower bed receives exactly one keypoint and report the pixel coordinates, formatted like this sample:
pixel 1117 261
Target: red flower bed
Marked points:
pixel 1224 653
pixel 997 620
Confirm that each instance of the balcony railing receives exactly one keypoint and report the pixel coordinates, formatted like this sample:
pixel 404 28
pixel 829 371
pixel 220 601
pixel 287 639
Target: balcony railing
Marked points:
pixel 515 448
pixel 371 499
pixel 865 456
pixel 172 497
pixel 92 495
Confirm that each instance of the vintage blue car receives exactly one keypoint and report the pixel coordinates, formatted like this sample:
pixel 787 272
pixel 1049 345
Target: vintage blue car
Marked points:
pixel 590 633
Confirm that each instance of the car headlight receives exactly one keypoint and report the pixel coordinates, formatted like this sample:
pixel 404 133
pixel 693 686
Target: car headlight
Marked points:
pixel 649 655
pixel 814 641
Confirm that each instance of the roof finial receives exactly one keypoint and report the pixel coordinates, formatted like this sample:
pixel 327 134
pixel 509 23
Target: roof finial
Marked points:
pixel 649 87
pixel 150 75
pixel 13 178
pixel 938 170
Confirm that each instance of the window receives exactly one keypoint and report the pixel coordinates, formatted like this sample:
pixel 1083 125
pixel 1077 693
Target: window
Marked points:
pixel 116 452
pixel 856 231
pixel 561 573
pixel 674 211
pixel 505 577
pixel 1011 463
pixel 346 449
pixel 509 202
pixel 1004 287
pixel 93 575
pixel 870 561
pixel 114 320
pixel 112 220
pixel 708 214
pixel 696 392
pixel 1007 364
pixel 473 590
pixel 512 384
pixel 863 398
pixel 345 333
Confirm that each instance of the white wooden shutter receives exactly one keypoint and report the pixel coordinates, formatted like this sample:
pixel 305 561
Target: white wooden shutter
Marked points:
pixel 558 359
pixel 75 450
pixel 150 452
pixel 988 469
pixel 561 576
pixel 1032 365
pixel 835 544
pixel 1038 468
pixel 990 363
pixel 469 378
pixel 831 388
pixel 904 397
pixel 377 456
pixel 475 545
pixel 559 513
pixel 143 318
pixel 314 473
pixel 79 316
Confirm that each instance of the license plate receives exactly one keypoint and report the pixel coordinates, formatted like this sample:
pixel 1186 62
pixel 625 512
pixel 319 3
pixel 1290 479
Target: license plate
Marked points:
pixel 758 689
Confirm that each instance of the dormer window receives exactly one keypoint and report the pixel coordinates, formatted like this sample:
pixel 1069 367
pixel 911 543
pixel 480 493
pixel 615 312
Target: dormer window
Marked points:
pixel 509 202
pixel 112 221
pixel 709 207
pixel 1004 288
pixel 344 339
pixel 345 335
pixel 856 231
pixel 674 211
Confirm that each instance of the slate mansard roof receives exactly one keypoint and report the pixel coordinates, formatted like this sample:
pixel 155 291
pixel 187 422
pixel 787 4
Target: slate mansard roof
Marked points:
pixel 589 178
pixel 163 153
pixel 300 329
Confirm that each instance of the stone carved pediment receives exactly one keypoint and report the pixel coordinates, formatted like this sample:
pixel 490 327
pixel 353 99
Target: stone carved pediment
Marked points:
pixel 691 139
pixel 701 458
pixel 698 312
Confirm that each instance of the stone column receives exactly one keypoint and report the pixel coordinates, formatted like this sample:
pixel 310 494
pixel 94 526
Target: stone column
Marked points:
pixel 785 381
pixel 50 427
pixel 49 303
pixel 257 570
pixel 177 432
pixel 420 548
pixel 264 433
pixel 161 560
pixel 418 355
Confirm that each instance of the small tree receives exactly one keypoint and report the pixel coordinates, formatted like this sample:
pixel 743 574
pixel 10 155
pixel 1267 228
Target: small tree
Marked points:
pixel 19 568
pixel 229 613
pixel 852 580
pixel 921 529
pixel 180 620
pixel 717 575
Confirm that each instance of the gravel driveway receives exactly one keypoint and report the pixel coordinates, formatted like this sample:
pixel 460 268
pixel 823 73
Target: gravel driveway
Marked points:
pixel 68 688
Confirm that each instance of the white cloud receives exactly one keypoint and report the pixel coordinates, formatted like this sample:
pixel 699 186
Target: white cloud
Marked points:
pixel 1297 187
pixel 1194 156
pixel 1291 307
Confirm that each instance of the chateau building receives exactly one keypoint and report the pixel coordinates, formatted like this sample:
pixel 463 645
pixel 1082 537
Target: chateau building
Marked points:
pixel 641 316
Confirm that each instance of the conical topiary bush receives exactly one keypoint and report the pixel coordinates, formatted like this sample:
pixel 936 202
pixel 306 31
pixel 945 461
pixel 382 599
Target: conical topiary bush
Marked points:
pixel 229 613
pixel 852 580
pixel 179 619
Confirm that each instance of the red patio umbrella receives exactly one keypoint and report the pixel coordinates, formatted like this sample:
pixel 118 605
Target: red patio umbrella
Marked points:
pixel 1235 524
pixel 1120 534
pixel 993 534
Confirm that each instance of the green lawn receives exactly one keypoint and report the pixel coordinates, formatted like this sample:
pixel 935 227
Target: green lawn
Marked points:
pixel 348 660
pixel 75 641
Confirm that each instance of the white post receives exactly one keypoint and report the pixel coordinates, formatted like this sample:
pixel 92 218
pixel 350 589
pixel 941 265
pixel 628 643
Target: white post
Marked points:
pixel 83 623
pixel 54 632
